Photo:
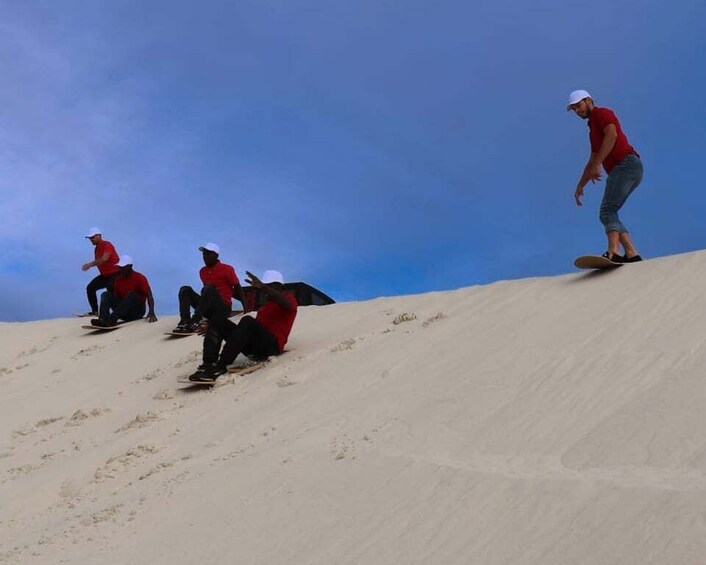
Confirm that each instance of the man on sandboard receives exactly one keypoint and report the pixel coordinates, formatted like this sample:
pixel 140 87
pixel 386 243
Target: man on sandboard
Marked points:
pixel 609 148
pixel 258 337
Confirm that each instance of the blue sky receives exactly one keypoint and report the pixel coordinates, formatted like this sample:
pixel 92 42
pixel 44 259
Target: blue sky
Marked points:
pixel 368 148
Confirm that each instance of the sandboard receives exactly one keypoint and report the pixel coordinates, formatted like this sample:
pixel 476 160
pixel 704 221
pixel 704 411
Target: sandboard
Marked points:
pixel 179 334
pixel 86 315
pixel 595 262
pixel 242 370
pixel 99 329
pixel 185 380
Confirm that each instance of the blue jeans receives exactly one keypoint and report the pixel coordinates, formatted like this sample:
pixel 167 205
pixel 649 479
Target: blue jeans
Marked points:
pixel 622 180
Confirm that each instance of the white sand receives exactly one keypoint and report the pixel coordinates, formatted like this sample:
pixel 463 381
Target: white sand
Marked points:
pixel 546 421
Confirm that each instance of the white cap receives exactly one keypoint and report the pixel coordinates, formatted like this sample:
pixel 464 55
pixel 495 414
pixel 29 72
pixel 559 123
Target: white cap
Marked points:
pixel 272 277
pixel 92 232
pixel 577 96
pixel 211 247
pixel 125 260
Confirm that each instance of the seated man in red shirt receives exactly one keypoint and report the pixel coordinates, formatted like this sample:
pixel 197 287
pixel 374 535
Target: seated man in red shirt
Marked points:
pixel 220 285
pixel 127 299
pixel 257 337
pixel 105 258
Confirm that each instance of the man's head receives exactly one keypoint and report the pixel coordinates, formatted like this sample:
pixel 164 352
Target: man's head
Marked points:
pixel 581 103
pixel 125 265
pixel 273 278
pixel 210 254
pixel 94 236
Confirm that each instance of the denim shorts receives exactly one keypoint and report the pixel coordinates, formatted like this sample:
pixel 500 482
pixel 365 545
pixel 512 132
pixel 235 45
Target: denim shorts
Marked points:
pixel 622 180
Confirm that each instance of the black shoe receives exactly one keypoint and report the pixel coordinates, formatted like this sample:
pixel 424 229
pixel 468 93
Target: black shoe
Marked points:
pixel 614 258
pixel 102 323
pixel 208 373
pixel 635 259
pixel 185 329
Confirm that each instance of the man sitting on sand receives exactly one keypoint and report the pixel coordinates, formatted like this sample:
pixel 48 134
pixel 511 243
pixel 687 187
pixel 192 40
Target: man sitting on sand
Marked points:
pixel 220 285
pixel 131 291
pixel 105 259
pixel 257 337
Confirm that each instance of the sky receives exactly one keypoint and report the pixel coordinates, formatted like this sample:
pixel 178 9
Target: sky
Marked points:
pixel 370 148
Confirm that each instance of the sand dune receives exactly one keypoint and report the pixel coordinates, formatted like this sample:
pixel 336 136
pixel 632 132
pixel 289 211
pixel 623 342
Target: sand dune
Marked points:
pixel 542 421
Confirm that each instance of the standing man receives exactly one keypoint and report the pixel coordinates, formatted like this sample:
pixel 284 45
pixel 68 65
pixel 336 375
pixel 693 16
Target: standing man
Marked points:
pixel 106 259
pixel 126 301
pixel 609 148
pixel 258 337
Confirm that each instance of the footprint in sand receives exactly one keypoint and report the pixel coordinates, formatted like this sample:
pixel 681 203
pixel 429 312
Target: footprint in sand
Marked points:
pixel 86 352
pixel 139 421
pixel 345 345
pixel 121 464
pixel 38 348
pixel 78 417
pixel 429 321
pixel 404 317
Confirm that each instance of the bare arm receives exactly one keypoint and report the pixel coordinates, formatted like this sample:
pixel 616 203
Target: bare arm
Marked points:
pixel 592 170
pixel 97 262
pixel 151 317
pixel 272 293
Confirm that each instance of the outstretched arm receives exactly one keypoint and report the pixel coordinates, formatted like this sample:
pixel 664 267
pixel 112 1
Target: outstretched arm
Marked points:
pixel 273 293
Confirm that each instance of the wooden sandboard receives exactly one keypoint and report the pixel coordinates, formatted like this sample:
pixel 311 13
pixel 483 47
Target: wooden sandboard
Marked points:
pixel 595 262
pixel 185 380
pixel 247 368
pixel 99 329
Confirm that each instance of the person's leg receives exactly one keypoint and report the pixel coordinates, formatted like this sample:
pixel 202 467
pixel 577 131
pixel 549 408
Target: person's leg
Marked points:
pixel 212 307
pixel 188 299
pixel 249 337
pixel 132 307
pixel 621 182
pixel 106 306
pixel 92 288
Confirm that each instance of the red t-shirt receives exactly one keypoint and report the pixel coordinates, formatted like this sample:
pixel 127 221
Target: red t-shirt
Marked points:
pixel 222 277
pixel 108 268
pixel 134 282
pixel 599 119
pixel 277 320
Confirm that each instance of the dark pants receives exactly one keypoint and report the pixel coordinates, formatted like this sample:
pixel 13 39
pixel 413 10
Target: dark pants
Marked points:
pixel 248 337
pixel 94 286
pixel 132 307
pixel 209 305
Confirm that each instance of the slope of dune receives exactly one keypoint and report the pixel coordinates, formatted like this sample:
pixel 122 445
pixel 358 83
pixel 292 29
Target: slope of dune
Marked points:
pixel 547 421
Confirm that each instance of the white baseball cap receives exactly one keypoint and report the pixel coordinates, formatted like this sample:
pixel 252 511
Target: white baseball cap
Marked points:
pixel 577 96
pixel 93 231
pixel 125 260
pixel 272 277
pixel 211 247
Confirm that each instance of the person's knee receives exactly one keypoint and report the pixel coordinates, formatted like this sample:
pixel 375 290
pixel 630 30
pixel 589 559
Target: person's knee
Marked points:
pixel 185 291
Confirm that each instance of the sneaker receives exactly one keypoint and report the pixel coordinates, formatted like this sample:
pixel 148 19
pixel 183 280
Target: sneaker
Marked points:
pixel 101 323
pixel 634 259
pixel 201 372
pixel 613 258
pixel 185 329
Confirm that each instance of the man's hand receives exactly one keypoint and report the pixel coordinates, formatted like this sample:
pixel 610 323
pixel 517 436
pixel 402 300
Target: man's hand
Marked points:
pixel 593 173
pixel 86 266
pixel 151 317
pixel 578 195
pixel 253 281
pixel 202 327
